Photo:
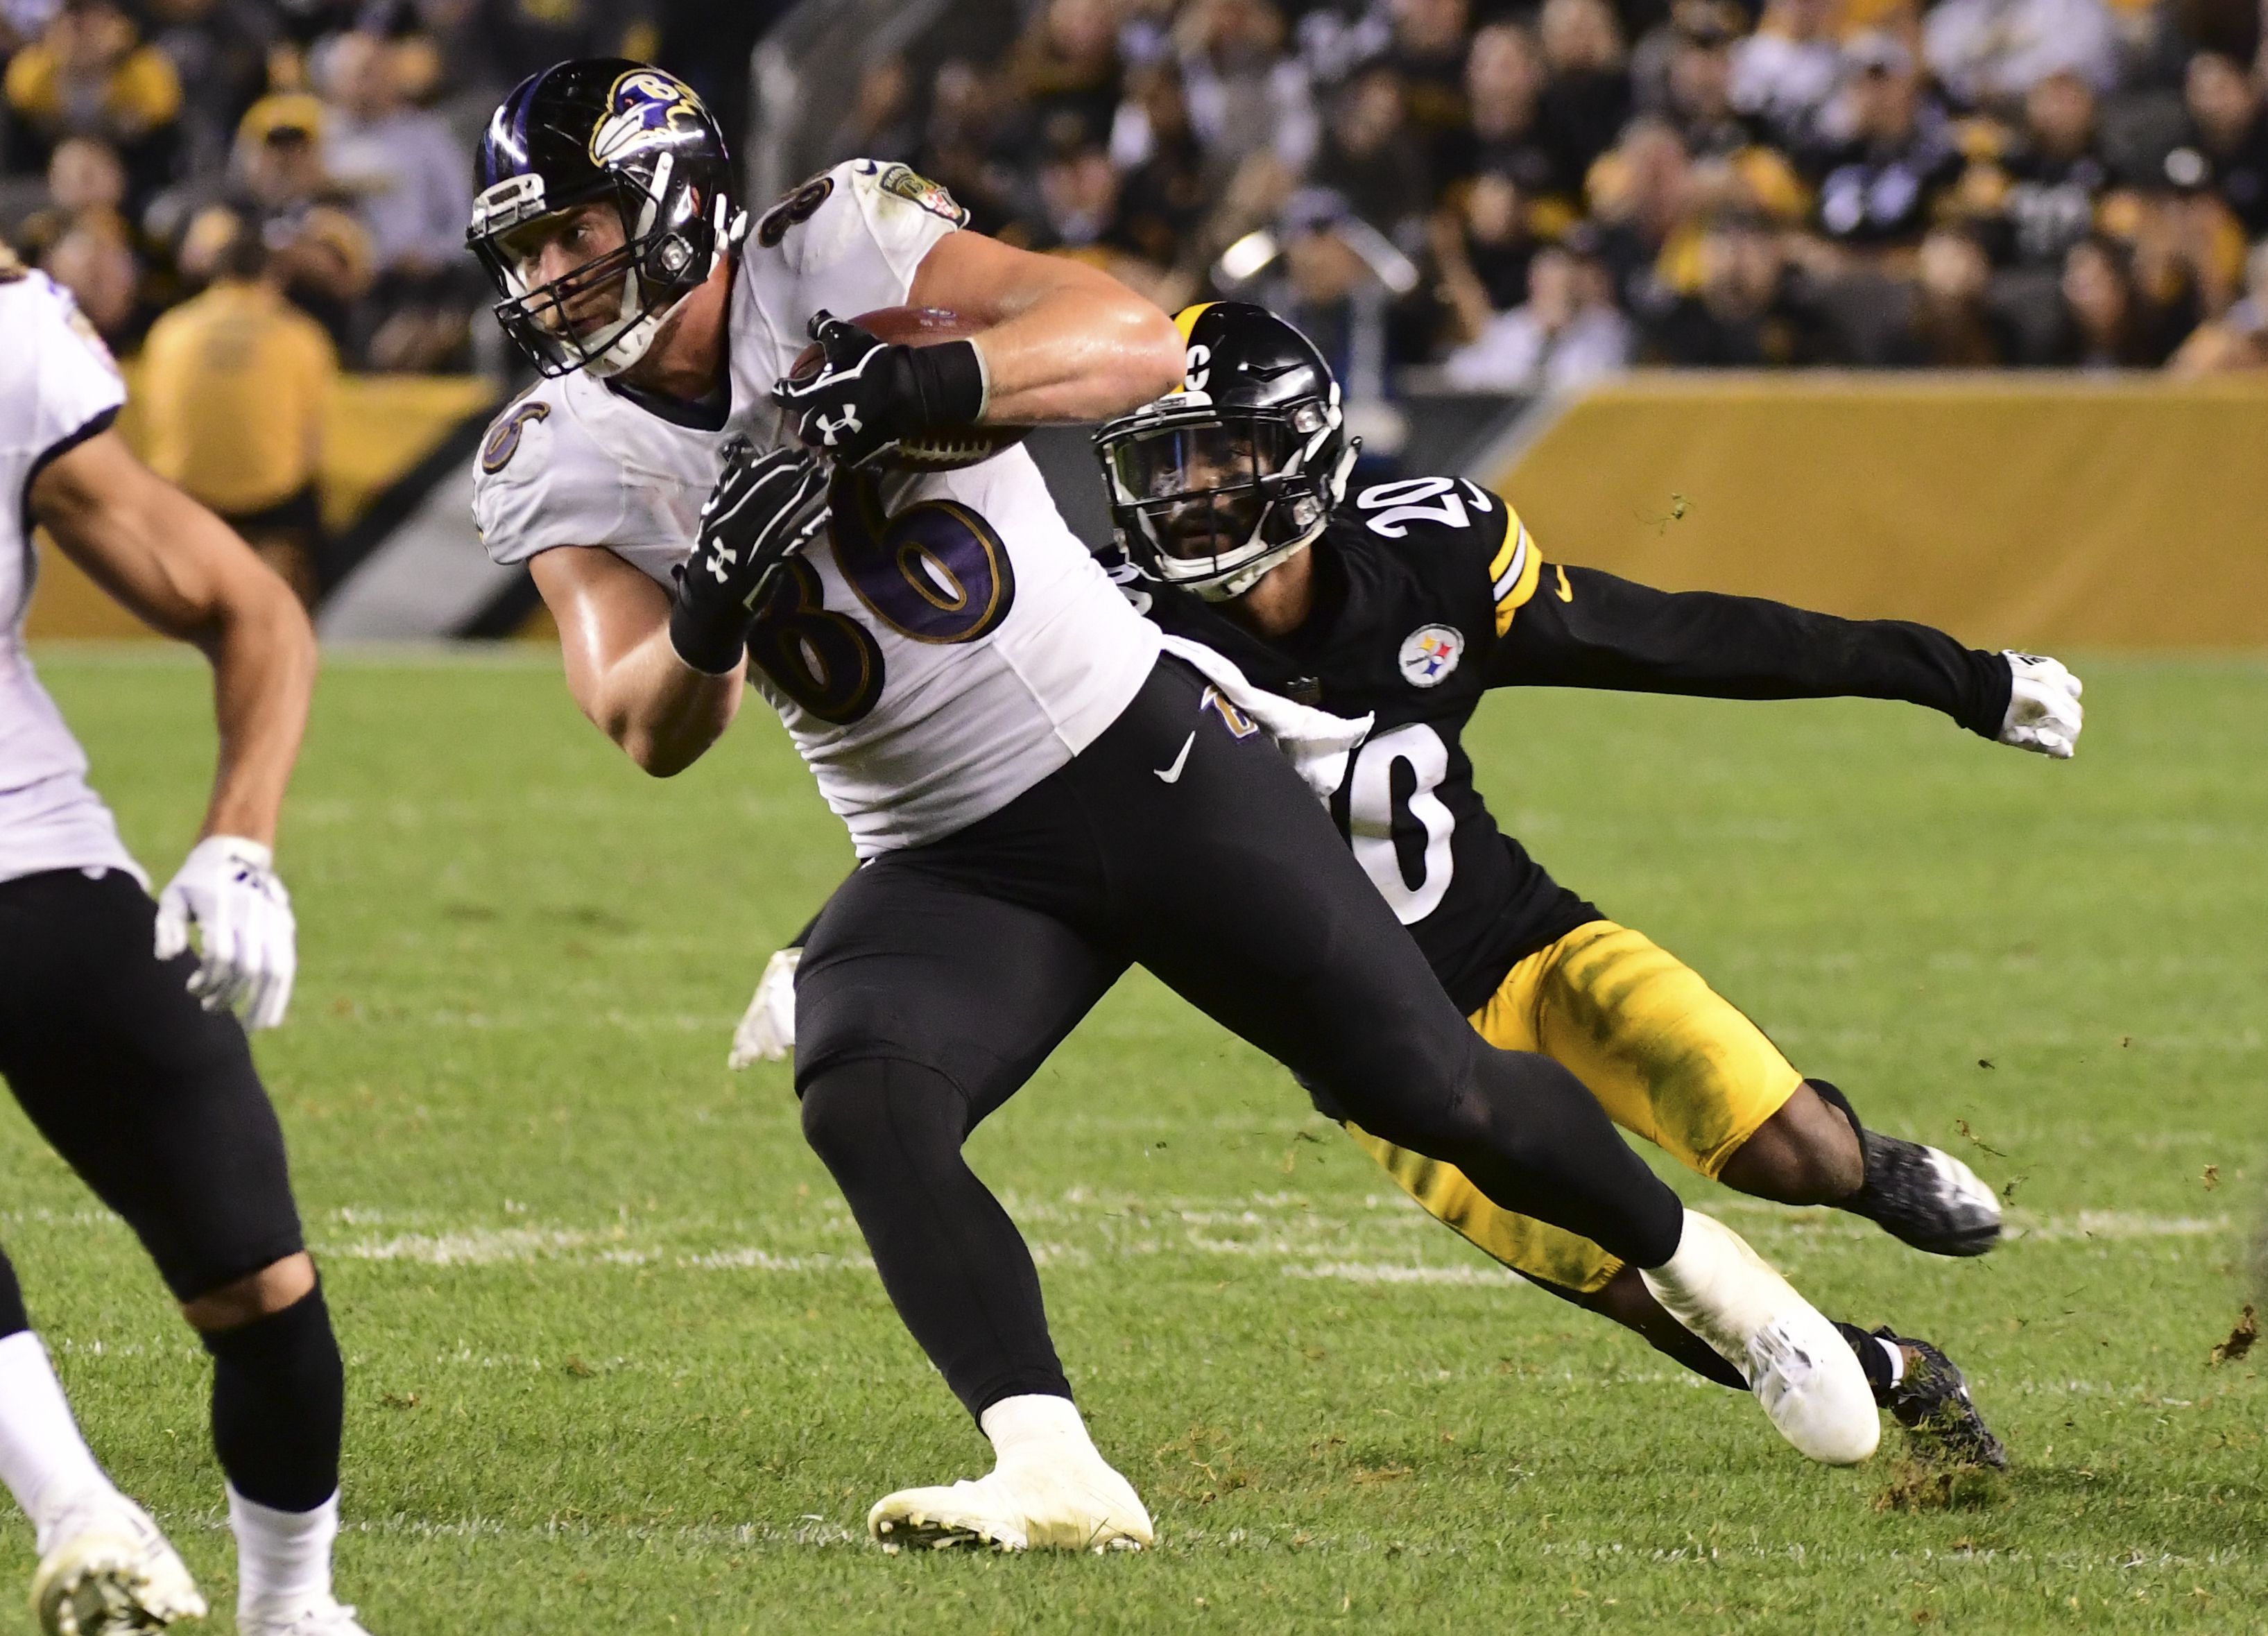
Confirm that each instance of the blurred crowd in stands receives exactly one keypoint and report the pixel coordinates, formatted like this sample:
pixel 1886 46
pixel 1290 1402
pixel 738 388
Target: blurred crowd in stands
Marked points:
pixel 1509 195
pixel 317 150
pixel 1501 194
pixel 254 194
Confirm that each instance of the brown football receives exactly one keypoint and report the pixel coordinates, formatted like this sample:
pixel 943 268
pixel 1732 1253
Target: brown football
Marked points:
pixel 947 448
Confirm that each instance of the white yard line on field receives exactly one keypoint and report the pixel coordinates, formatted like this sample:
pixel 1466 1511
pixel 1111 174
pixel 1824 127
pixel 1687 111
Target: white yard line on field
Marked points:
pixel 1384 1239
pixel 812 1531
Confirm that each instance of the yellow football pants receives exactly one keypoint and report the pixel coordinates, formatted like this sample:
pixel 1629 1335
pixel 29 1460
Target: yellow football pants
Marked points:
pixel 1668 1057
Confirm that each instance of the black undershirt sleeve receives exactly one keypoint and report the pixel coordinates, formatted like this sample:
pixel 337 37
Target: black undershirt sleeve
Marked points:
pixel 1607 632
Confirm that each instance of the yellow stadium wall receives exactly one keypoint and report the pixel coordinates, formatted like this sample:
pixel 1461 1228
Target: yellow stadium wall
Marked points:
pixel 375 429
pixel 2014 511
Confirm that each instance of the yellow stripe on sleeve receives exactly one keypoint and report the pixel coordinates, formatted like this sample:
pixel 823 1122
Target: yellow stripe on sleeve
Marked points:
pixel 1515 571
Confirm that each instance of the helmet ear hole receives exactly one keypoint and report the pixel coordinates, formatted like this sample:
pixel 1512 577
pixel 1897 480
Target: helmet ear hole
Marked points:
pixel 669 260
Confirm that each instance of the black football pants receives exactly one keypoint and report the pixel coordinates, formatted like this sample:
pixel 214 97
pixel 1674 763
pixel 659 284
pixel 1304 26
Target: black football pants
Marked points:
pixel 939 977
pixel 153 1100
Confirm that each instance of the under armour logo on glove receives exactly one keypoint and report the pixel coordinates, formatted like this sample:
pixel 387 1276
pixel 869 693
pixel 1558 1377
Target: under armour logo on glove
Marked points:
pixel 831 432
pixel 765 509
pixel 861 401
pixel 870 395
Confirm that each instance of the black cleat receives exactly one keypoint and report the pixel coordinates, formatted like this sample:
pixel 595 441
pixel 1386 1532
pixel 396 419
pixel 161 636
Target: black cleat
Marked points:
pixel 1932 1401
pixel 1926 1198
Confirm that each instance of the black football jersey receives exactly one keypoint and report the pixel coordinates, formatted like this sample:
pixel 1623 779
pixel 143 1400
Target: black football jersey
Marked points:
pixel 1416 582
pixel 1428 592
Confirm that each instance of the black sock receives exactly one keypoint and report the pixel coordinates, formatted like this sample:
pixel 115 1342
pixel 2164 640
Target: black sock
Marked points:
pixel 13 1319
pixel 279 1404
pixel 1871 1358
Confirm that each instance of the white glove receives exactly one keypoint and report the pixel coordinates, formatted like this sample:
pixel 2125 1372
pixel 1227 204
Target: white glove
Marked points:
pixel 767 1031
pixel 249 952
pixel 2043 711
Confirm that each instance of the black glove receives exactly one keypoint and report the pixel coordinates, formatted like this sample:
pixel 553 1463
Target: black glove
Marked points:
pixel 869 394
pixel 764 509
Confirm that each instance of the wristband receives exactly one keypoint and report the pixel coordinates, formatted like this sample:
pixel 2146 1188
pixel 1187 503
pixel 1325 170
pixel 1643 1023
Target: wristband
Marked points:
pixel 712 641
pixel 949 386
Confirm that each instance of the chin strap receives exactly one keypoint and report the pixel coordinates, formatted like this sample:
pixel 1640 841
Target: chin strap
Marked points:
pixel 1245 578
pixel 732 227
pixel 636 338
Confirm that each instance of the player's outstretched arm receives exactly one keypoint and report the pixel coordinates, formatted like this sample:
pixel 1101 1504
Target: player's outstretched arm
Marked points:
pixel 1584 629
pixel 1062 340
pixel 181 569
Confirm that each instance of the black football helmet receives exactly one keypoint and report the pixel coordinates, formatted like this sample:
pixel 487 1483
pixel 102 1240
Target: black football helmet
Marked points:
pixel 624 133
pixel 1238 467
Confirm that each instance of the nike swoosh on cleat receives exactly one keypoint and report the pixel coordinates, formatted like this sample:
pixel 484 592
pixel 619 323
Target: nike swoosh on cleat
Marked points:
pixel 1172 774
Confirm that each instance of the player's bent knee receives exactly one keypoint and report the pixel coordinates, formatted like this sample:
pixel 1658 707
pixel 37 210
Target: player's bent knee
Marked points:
pixel 881 1113
pixel 1505 1103
pixel 1439 1110
pixel 279 1285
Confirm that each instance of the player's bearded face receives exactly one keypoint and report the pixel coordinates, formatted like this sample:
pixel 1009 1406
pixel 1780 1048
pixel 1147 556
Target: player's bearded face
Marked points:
pixel 1207 479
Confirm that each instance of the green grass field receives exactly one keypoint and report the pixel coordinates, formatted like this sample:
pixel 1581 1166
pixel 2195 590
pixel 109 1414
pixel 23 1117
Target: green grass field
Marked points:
pixel 617 1364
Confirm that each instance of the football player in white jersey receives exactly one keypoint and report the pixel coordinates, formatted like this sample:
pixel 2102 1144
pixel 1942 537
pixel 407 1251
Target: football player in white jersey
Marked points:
pixel 122 1044
pixel 1038 799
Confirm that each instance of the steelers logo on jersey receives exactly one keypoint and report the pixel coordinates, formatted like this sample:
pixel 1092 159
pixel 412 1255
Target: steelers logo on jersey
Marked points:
pixel 1429 653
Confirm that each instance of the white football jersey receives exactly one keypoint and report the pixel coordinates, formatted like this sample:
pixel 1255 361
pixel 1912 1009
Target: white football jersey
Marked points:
pixel 948 646
pixel 57 387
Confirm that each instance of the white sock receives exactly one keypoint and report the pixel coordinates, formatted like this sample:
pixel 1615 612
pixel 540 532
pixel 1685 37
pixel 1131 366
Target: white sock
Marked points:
pixel 1035 1423
pixel 283 1558
pixel 43 1459
pixel 1897 1359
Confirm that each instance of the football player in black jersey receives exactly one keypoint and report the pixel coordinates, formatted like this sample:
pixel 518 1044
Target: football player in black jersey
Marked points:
pixel 1407 604
pixel 1410 602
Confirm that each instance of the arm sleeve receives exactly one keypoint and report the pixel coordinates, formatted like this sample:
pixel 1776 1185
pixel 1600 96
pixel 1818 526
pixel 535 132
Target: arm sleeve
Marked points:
pixel 1584 629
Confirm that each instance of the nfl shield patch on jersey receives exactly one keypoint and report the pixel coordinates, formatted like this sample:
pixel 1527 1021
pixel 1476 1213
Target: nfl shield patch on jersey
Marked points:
pixel 911 186
pixel 1429 653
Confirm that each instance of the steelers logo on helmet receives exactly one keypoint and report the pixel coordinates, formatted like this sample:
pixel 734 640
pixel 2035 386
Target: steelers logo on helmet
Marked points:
pixel 645 109
pixel 1429 653
pixel 1238 467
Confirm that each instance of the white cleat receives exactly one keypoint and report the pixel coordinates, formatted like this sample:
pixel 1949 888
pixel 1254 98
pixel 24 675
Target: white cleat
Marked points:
pixel 1036 1505
pixel 1797 1363
pixel 105 1570
pixel 1801 1379
pixel 326 1618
